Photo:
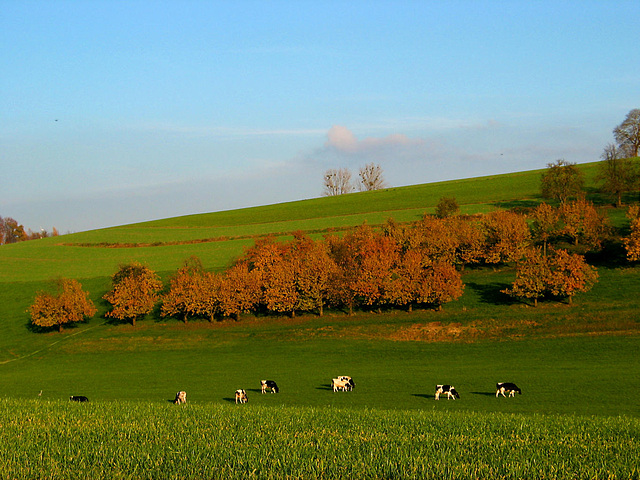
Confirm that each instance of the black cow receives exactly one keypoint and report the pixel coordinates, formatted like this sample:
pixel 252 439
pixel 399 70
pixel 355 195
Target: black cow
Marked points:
pixel 78 398
pixel 269 385
pixel 448 390
pixel 507 387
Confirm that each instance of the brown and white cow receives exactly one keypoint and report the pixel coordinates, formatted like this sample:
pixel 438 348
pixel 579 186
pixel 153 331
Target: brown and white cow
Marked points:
pixel 181 397
pixel 269 385
pixel 448 390
pixel 241 396
pixel 507 387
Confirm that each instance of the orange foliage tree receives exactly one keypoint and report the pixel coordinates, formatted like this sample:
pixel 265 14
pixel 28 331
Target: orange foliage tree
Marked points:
pixel 583 223
pixel 533 276
pixel 275 267
pixel 632 242
pixel 437 239
pixel 442 284
pixel 185 291
pixel 239 290
pixel 70 304
pixel 570 274
pixel 314 270
pixel 470 240
pixel 545 224
pixel 341 291
pixel 507 236
pixel 134 292
pixel 374 255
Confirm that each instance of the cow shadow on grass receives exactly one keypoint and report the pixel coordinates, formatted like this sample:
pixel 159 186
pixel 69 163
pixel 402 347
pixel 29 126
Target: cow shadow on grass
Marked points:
pixel 325 387
pixel 484 394
pixel 423 395
pixel 230 399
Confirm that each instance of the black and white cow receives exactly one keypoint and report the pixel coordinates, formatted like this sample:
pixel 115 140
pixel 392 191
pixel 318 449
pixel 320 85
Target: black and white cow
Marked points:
pixel 507 387
pixel 78 398
pixel 241 396
pixel 448 390
pixel 342 383
pixel 181 397
pixel 269 385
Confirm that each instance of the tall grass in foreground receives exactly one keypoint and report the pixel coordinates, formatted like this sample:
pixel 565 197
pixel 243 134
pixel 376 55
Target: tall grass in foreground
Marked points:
pixel 142 440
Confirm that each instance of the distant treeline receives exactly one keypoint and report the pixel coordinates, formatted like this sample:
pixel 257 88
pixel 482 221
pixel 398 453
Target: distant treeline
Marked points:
pixel 12 232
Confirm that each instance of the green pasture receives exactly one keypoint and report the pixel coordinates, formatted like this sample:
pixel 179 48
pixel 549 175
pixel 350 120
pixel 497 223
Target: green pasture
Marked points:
pixel 49 439
pixel 573 375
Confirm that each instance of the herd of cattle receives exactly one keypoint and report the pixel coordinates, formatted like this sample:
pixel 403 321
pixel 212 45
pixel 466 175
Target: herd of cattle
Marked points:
pixel 343 383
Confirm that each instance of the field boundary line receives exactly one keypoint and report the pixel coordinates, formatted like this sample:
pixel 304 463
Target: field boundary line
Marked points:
pixel 4 362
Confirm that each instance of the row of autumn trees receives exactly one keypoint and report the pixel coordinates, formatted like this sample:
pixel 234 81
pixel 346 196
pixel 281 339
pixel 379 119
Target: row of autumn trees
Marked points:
pixel 395 266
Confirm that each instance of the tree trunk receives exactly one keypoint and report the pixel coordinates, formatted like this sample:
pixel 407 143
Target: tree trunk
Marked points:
pixel 133 321
pixel 321 309
pixel 60 328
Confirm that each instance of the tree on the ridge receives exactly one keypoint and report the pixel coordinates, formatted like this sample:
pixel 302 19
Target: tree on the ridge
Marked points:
pixel 337 182
pixel 70 304
pixel 627 134
pixel 134 292
pixel 371 178
pixel 561 180
pixel 618 175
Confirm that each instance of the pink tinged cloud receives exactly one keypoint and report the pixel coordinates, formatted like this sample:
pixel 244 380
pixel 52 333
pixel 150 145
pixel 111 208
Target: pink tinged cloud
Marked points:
pixel 343 140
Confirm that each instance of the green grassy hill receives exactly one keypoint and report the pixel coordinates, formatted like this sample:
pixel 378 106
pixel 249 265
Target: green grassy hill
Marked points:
pixel 477 340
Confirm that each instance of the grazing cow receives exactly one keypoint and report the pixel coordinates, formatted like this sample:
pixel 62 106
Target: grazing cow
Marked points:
pixel 269 385
pixel 338 384
pixel 448 390
pixel 181 397
pixel 507 387
pixel 343 383
pixel 241 396
pixel 78 398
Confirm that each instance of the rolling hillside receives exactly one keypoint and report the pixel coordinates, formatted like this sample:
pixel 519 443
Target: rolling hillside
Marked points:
pixel 103 357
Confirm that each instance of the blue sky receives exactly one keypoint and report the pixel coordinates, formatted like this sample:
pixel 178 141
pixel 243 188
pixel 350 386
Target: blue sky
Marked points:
pixel 113 112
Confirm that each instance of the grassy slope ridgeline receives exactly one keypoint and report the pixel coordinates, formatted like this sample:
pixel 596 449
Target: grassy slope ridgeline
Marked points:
pixel 133 440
